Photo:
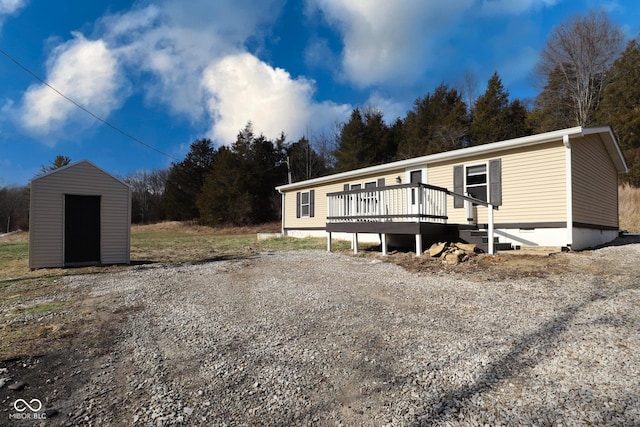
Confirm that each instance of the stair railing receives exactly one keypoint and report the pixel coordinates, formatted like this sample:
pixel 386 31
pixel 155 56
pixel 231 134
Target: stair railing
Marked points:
pixel 490 209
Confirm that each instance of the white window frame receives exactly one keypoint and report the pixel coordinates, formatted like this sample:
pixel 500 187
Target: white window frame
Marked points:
pixel 486 175
pixel 304 205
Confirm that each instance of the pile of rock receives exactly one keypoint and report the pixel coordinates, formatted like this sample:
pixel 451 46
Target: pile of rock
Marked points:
pixel 452 253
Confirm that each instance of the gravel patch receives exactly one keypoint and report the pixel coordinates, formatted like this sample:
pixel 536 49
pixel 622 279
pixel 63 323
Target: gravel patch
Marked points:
pixel 315 338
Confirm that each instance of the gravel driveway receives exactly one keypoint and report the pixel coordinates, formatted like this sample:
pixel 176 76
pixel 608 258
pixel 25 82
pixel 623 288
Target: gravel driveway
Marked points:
pixel 315 338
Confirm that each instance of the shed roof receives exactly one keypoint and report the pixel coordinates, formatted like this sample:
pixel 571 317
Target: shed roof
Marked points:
pixel 605 133
pixel 72 165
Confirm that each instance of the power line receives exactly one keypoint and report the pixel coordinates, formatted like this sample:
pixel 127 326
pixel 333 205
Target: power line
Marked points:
pixel 100 119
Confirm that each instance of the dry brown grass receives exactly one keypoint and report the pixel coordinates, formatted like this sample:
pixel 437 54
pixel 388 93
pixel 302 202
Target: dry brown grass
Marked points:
pixel 629 205
pixel 194 228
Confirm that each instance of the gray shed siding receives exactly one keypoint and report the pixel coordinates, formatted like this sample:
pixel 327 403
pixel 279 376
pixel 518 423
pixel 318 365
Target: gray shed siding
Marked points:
pixel 46 221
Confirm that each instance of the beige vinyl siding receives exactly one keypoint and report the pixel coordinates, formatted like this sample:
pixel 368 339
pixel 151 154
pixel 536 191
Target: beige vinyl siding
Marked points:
pixel 46 223
pixel 533 184
pixel 321 190
pixel 594 182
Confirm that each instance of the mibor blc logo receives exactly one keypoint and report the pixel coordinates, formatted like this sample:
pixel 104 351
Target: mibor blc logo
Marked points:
pixel 33 406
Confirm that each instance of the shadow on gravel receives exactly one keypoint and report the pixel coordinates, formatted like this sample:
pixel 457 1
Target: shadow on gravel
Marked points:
pixel 625 239
pixel 525 355
pixel 225 257
pixel 141 262
pixel 235 257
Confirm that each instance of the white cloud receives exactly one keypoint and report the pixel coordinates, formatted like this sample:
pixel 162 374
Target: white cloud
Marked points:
pixel 8 7
pixel 242 88
pixel 174 44
pixel 390 42
pixel 190 60
pixel 85 71
pixel 515 6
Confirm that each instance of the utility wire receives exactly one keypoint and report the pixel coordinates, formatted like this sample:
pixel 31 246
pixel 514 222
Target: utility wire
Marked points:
pixel 100 119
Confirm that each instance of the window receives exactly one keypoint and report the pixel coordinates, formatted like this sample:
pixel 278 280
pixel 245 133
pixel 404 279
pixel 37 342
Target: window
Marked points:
pixel 305 204
pixel 482 181
pixel 476 181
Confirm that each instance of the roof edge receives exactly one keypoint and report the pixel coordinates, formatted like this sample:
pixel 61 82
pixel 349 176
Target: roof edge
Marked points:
pixel 524 141
pixel 611 145
pixel 75 164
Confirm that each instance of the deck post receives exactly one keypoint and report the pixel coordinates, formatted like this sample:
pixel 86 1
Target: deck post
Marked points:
pixel 355 243
pixel 490 231
pixel 329 241
pixel 418 244
pixel 383 243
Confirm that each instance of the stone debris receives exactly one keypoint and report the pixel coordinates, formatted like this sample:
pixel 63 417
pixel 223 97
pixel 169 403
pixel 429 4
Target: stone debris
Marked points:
pixel 452 253
pixel 17 386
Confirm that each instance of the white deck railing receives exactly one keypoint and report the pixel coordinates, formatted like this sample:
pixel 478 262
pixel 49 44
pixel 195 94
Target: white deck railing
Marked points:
pixel 405 202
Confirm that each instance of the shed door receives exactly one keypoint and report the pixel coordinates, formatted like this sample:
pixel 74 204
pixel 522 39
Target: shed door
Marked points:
pixel 81 229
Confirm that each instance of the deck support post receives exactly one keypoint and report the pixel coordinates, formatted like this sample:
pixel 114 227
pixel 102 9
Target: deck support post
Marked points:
pixel 383 243
pixel 490 231
pixel 329 241
pixel 354 243
pixel 418 244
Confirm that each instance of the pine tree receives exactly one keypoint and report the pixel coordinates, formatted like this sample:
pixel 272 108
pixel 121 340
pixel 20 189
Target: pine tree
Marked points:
pixel 495 118
pixel 553 107
pixel 620 108
pixel 57 163
pixel 185 180
pixel 438 122
pixel 364 140
pixel 304 161
pixel 240 187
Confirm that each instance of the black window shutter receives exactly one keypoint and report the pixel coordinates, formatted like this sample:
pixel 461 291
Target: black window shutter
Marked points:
pixel 312 203
pixel 495 180
pixel 346 187
pixel 380 182
pixel 298 204
pixel 458 185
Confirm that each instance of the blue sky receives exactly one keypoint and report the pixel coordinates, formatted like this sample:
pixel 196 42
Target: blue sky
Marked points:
pixel 169 72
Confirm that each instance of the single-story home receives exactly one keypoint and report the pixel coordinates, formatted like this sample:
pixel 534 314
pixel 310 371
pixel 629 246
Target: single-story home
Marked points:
pixel 556 189
pixel 79 215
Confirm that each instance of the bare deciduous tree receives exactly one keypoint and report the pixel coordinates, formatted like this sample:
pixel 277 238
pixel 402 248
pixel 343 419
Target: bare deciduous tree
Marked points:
pixel 579 54
pixel 147 191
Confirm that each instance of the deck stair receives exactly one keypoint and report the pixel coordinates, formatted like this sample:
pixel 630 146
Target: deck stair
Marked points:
pixel 480 238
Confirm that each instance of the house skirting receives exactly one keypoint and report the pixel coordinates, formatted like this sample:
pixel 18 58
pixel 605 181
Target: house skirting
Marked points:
pixel 583 235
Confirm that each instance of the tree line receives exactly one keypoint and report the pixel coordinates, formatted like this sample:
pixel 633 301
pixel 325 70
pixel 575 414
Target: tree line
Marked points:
pixel 587 77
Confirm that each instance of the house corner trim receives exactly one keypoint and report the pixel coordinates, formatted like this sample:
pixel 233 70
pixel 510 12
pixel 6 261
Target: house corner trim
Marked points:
pixel 569 188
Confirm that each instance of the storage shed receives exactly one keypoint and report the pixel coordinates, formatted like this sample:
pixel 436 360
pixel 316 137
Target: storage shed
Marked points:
pixel 79 215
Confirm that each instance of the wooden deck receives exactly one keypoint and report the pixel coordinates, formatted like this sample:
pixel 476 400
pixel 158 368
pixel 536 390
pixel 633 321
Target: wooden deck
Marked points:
pixel 406 209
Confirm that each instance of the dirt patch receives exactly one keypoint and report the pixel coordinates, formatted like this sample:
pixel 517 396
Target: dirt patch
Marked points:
pixel 52 356
pixel 485 267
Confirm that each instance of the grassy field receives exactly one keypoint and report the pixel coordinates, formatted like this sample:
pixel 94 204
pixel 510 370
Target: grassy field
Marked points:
pixel 629 205
pixel 59 312
pixel 169 242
